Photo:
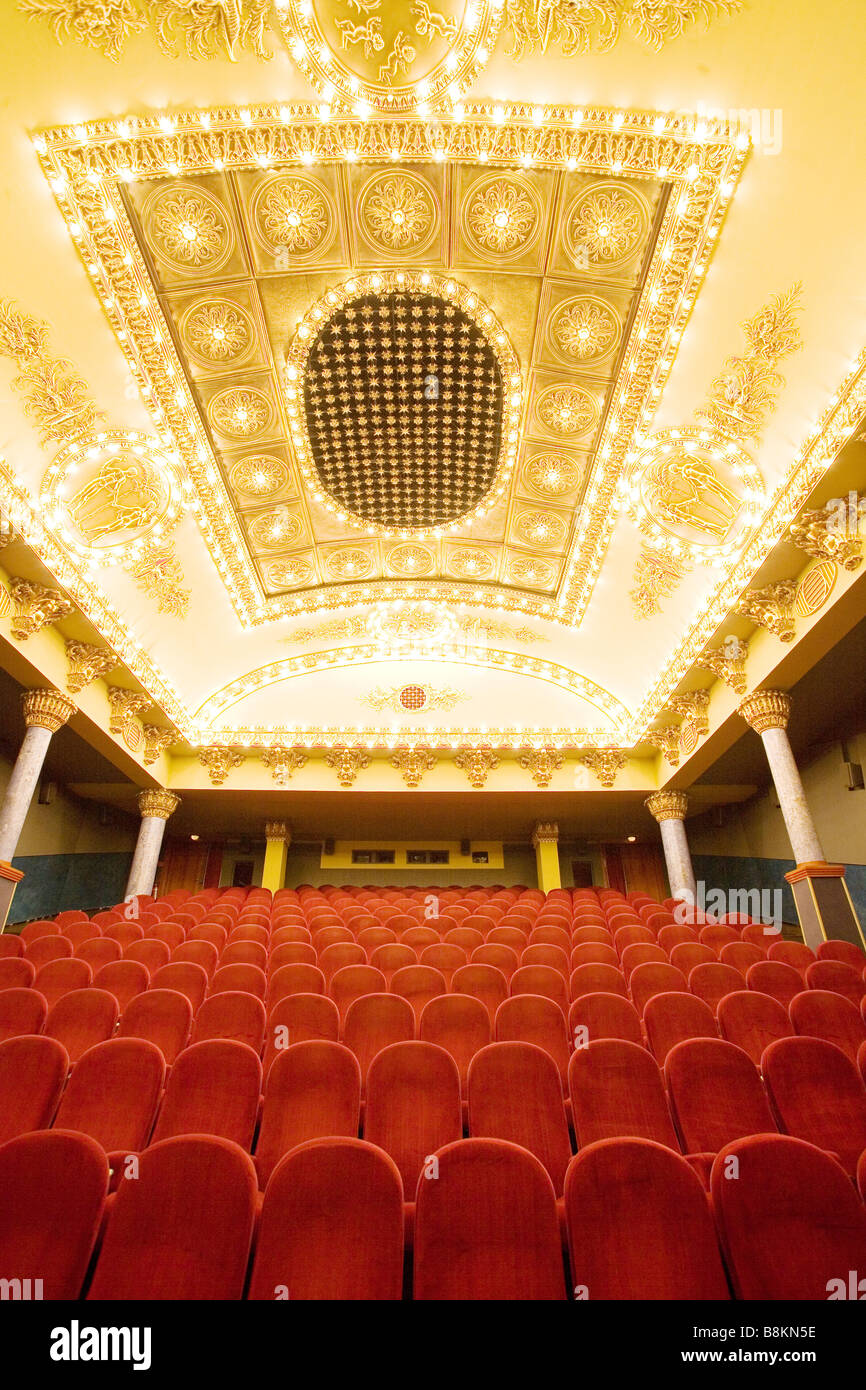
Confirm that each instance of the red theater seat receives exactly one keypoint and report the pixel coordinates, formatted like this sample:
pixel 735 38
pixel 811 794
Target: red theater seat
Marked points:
pixel 486 1228
pixel 639 1226
pixel 712 982
pixel 33 1072
pixel 313 1090
pixel 160 1016
pixel 459 1023
pixel 299 1018
pixel 246 979
pixel 294 979
pixel 163 1241
pixel 596 1016
pixel 672 1018
pixel 819 1013
pixel 81 1019
pixel 113 1093
pixel 353 982
pixel 616 1092
pixel 845 951
pixel 214 1088
pixel 413 1105
pixel 185 978
pixel 18 973
pixel 515 1093
pixel 818 1095
pixel 10 945
pixel 652 979
pixel 793 953
pixel 419 984
pixel 122 978
pixel 778 980
pixel 482 982
pixel 530 1018
pixel 46 948
pixel 838 977
pixel 253 953
pixel 716 1095
pixel 233 1014
pixel 792 1226
pixel 752 1021
pixel 149 953
pixel 375 1021
pixel 54 1186
pixel 331 1226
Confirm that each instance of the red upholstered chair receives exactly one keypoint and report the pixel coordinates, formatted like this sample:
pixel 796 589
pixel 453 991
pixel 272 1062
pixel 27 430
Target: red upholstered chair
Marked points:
pixel 47 948
pixel 122 978
pixel 375 1021
pixel 98 951
pixel 353 982
pixel 793 953
pixel 419 984
pixel 81 1019
pixel 531 1018
pixel 202 953
pixel 331 1226
pixel 419 937
pixel 249 931
pixel 845 951
pixel 688 954
pixel 631 936
pixel 752 1021
pixel 639 1226
pixel 675 934
pixel 149 953
pixel 234 1014
pixel 124 933
pixel 543 980
pixel 70 916
pixel 502 958
pixel 598 935
pixel 818 1095
pixel 282 936
pixel 641 953
pixel 600 1015
pixel 340 955
pixel 248 979
pixel 741 955
pixel 715 1094
pixel 593 953
pixel 21 1011
pixel 10 945
pixel 185 977
pixel 552 935
pixel 391 957
pixel 512 937
pixel 113 1093
pixel 33 1072
pixel 597 979
pixel 54 1186
pixel 313 1090
pixel 35 931
pixel 459 1023
pixel 791 1224
pixel 515 1093
pixel 18 973
pixel 216 934
pixel 444 957
pixel 673 1018
pixel 716 935
pixel 163 1241
pixel 819 1013
pixel 171 933
pixel 161 1016
pixel 756 935
pixel 371 937
pixel 213 1088
pixel 483 982
pixel 294 979
pixel 712 982
pixel 299 1018
pixel 838 977
pixel 553 957
pixel 487 1228
pixel 466 937
pixel 289 953
pixel 79 931
pixel 413 1105
pixel 252 953
pixel 772 977
pixel 652 979
pixel 616 1092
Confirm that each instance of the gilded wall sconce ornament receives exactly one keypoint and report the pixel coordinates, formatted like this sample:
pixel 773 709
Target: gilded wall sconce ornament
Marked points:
pixel 282 762
pixel 693 708
pixel 728 663
pixel 541 763
pixel 347 762
pixel 220 761
pixel 157 740
pixel 833 532
pixel 477 763
pixel 605 763
pixel 126 706
pixel 666 738
pixel 413 763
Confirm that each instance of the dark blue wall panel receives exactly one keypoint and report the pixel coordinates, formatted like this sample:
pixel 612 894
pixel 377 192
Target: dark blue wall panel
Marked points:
pixel 54 882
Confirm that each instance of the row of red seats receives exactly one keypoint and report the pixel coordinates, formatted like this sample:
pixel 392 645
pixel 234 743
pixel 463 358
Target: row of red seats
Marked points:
pixel 638 1223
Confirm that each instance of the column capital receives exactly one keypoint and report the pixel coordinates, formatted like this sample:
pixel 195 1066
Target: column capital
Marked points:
pixel 668 805
pixel 278 830
pixel 545 832
pixel 766 709
pixel 46 709
pixel 158 803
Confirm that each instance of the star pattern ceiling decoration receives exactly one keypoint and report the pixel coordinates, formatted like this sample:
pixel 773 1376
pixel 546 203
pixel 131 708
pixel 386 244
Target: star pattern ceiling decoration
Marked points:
pixel 404 401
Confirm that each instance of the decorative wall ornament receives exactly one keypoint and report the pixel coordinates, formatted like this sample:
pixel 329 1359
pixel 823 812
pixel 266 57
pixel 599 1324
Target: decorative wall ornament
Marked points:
pixel 289 573
pixel 526 569
pixel 219 761
pixel 656 574
pixel 832 532
pixel 157 740
pixel 477 763
pixel 209 27
pixel 86 662
pixel 293 215
pixel 259 476
pixel 279 831
pixel 125 706
pixel 403 698
pixel 474 630
pixel 666 738
pixel 56 397
pixel 745 393
pixel 157 802
pixel 667 805
pixel 471 564
pixel 771 607
pixel 585 328
pixel 567 410
pixel 349 563
pixel 413 763
pixel 541 763
pixel 581 26
pixel 683 489
pixel 347 762
pixel 605 763
pixel 693 708
pixel 728 663
pixel 815 588
pixel 282 762
pixel 46 709
pixel 766 709
pixel 545 832
pixel 188 228
pixel 605 225
pixel 410 560
pixel 502 215
pixel 157 570
pixel 101 24
pixel 397 212
pixel 35 607
pixel 218 332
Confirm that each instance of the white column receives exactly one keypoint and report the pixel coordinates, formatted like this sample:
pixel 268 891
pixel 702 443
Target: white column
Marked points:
pixel 45 711
pixel 155 806
pixel 669 809
pixel 767 712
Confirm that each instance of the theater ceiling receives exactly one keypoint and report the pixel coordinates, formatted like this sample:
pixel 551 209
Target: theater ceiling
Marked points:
pixel 379 375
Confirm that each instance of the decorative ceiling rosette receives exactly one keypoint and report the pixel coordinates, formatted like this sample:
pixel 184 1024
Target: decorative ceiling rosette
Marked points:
pixel 187 228
pixel 259 476
pixel 605 226
pixel 218 333
pixel 293 217
pixel 397 212
pixel 502 216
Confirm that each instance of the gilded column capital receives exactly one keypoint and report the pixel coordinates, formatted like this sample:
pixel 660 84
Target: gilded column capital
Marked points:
pixel 46 709
pixel 279 831
pixel 668 805
pixel 766 709
pixel 545 832
pixel 157 802
pixel 87 661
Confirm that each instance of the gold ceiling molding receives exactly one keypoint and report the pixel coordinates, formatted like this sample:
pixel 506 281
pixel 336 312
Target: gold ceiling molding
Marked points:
pixel 772 607
pixel 86 663
pixel 541 763
pixel 832 532
pixel 36 606
pixel 746 391
pixel 405 698
pixel 347 762
pixel 120 512
pixel 89 165
pixel 477 763
pixel 656 574
pixel 473 628
pixel 728 664
pixel 583 26
pixel 413 763
pixel 281 762
pixel 208 27
pixel 605 764
pixel 157 740
pixel 219 762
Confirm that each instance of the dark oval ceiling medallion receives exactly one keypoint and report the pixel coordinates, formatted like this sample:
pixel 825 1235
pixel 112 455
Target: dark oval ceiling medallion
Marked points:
pixel 404 398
